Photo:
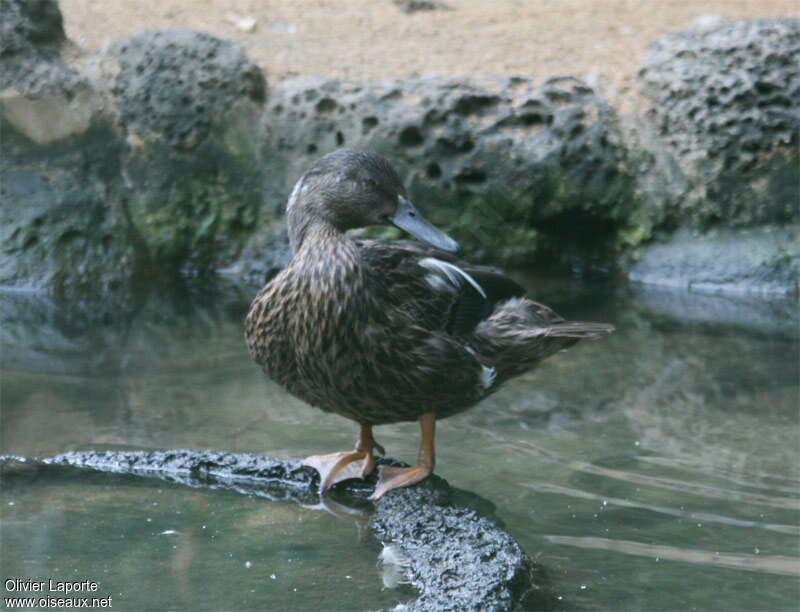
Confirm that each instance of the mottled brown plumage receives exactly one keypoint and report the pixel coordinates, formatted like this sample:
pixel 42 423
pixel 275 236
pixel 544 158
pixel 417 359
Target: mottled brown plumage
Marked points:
pixel 381 332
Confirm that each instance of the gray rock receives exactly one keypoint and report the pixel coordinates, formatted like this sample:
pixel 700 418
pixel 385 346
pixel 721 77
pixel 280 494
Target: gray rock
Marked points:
pixel 130 168
pixel 56 228
pixel 177 83
pixel 42 97
pixel 724 110
pixel 31 32
pixel 28 26
pixel 191 182
pixel 748 315
pixel 412 6
pixel 514 171
pixel 457 559
pixel 155 159
pixel 764 260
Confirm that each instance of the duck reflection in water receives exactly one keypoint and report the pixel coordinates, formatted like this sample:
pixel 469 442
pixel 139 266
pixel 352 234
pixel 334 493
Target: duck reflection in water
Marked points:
pixel 382 332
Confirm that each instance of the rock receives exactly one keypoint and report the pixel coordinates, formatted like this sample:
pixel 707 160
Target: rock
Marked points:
pixel 56 227
pixel 764 260
pixel 456 558
pixel 57 162
pixel 412 6
pixel 162 158
pixel 42 97
pixel 752 315
pixel 176 84
pixel 724 105
pixel 516 172
pixel 193 175
pixel 128 168
pixel 29 29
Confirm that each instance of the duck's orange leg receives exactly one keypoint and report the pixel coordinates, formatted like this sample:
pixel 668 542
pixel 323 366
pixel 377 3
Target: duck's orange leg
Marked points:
pixel 357 463
pixel 393 477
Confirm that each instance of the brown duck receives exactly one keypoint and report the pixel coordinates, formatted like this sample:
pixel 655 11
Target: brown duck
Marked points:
pixel 381 332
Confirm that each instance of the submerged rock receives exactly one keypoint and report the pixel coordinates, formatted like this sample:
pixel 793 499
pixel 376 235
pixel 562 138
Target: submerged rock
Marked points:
pixel 456 558
pixel 763 260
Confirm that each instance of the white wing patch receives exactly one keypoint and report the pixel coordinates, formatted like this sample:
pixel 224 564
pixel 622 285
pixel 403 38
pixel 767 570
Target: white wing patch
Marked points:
pixel 439 284
pixel 455 275
pixel 487 376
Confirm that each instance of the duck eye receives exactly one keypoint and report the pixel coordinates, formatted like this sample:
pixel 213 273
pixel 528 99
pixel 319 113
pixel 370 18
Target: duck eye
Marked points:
pixel 369 181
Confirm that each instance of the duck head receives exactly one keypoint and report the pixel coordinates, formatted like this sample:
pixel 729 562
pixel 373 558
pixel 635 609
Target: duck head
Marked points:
pixel 349 188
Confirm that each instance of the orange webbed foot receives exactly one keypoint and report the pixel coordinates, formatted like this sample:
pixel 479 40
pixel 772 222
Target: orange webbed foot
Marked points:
pixel 396 477
pixel 337 467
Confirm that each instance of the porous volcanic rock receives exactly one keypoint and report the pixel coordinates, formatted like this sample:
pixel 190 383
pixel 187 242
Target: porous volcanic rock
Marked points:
pixel 725 105
pixel 31 37
pixel 129 167
pixel 58 159
pixel 513 170
pixel 188 105
pixel 717 159
pixel 175 83
pixel 457 559
pixel 164 156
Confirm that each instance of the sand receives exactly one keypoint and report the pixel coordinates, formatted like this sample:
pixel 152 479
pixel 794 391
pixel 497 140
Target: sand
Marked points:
pixel 601 41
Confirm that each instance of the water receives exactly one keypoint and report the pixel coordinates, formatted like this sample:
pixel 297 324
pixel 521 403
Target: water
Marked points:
pixel 655 469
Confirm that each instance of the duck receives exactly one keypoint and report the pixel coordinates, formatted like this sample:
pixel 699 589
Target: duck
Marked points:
pixel 382 331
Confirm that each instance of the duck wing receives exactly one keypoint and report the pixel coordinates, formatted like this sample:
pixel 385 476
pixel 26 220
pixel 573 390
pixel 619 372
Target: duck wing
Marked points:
pixel 434 289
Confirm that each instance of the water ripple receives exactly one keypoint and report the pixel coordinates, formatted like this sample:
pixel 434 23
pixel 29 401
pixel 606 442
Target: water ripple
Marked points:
pixel 542 487
pixel 786 566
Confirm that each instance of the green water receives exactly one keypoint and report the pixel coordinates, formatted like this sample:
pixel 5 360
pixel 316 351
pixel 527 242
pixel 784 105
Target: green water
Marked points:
pixel 658 468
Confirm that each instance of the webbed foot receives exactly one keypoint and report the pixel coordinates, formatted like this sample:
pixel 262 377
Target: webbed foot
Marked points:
pixel 395 477
pixel 337 467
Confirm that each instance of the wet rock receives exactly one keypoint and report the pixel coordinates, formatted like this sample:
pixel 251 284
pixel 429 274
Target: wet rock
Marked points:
pixel 724 105
pixel 719 313
pixel 456 558
pixel 514 171
pixel 764 260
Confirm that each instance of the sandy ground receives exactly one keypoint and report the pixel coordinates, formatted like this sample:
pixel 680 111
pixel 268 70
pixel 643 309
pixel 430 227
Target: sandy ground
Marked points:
pixel 599 40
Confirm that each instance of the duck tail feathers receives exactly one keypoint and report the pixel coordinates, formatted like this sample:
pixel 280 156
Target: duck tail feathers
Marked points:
pixel 578 329
pixel 520 333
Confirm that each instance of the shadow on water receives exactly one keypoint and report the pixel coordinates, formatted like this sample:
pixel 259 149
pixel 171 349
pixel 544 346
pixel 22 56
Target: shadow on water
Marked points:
pixel 657 468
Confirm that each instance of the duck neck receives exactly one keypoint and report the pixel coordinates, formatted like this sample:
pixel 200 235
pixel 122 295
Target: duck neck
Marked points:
pixel 330 280
pixel 306 229
pixel 306 218
pixel 322 250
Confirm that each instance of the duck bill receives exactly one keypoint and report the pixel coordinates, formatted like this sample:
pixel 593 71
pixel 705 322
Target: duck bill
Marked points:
pixel 408 219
